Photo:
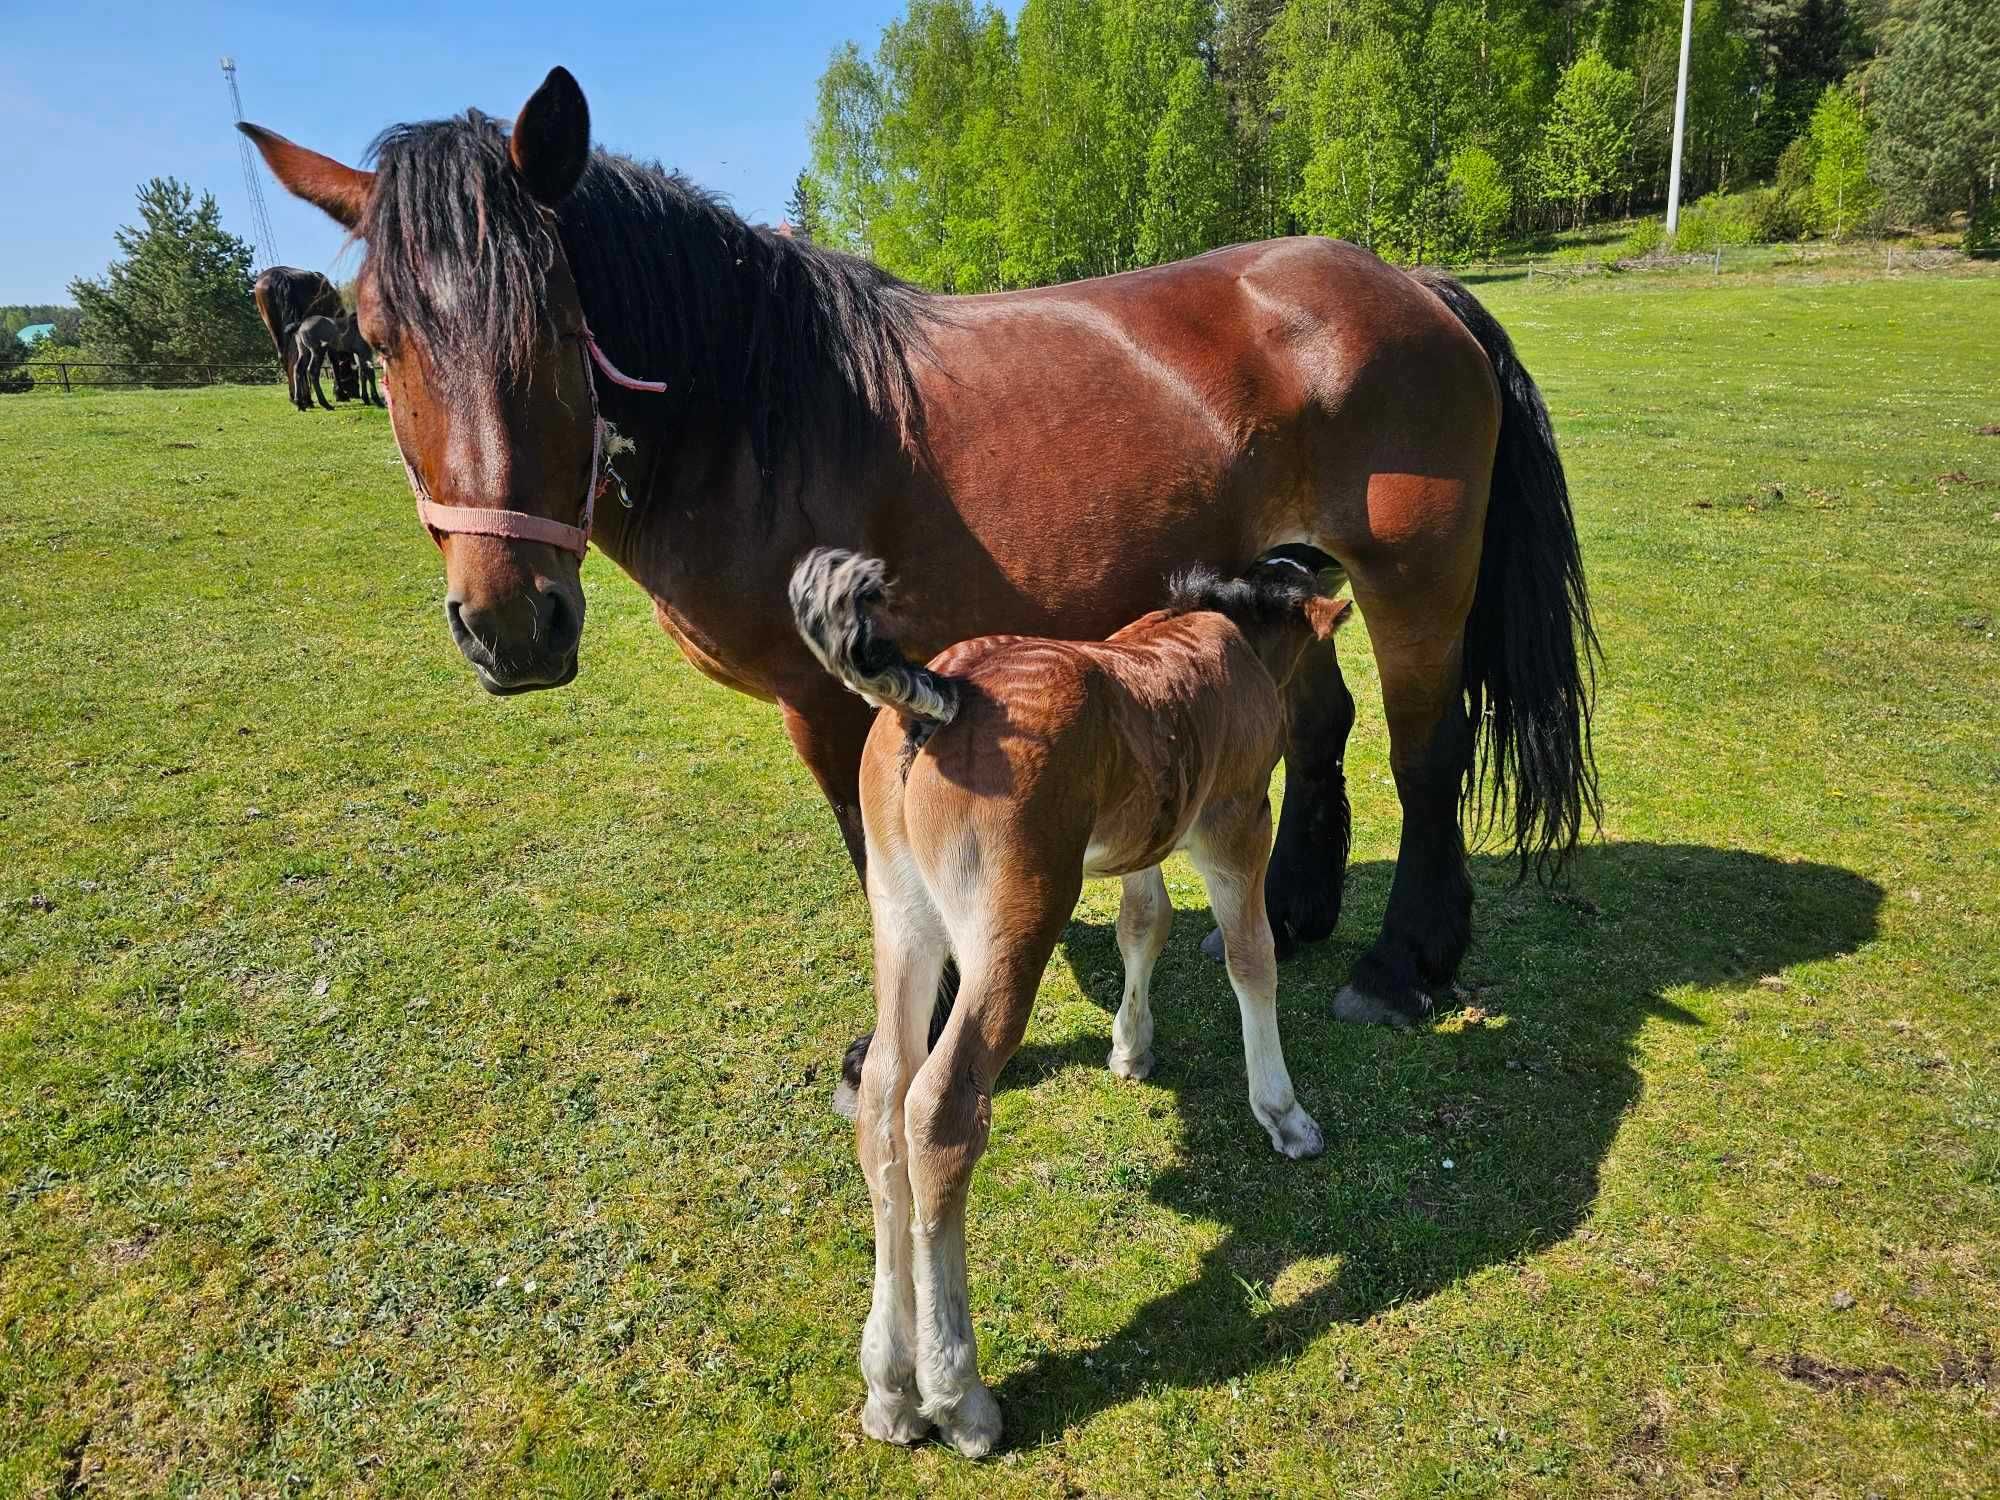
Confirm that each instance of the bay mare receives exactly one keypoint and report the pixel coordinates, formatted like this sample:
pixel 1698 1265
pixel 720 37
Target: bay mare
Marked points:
pixel 1029 463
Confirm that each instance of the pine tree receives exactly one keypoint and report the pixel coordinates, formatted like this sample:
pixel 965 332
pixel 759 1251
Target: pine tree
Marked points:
pixel 180 293
pixel 1936 105
pixel 805 210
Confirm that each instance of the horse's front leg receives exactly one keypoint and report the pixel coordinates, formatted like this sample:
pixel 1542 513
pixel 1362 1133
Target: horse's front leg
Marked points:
pixel 828 730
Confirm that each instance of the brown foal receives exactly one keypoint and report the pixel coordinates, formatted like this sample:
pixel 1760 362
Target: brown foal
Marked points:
pixel 1002 775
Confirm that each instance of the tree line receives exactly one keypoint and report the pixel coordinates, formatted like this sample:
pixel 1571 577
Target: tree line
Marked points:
pixel 178 294
pixel 970 153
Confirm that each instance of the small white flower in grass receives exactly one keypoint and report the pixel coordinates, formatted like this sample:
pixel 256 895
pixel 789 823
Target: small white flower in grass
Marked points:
pixel 500 1280
pixel 1449 1164
pixel 528 1285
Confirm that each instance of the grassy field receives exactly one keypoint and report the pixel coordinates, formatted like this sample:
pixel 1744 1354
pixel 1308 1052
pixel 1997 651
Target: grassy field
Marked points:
pixel 405 1092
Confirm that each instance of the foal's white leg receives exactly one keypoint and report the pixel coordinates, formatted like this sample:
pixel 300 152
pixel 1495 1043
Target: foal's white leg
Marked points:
pixel 1145 913
pixel 1230 854
pixel 910 952
pixel 955 1397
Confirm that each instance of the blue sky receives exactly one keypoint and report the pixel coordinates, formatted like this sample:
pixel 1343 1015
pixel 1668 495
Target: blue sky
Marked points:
pixel 96 98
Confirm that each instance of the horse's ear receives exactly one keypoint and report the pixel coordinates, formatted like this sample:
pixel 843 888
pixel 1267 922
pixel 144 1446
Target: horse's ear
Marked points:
pixel 1327 615
pixel 551 140
pixel 320 180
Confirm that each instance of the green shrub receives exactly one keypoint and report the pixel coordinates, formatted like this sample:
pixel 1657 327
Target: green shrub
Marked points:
pixel 1769 216
pixel 1791 207
pixel 1718 221
pixel 1645 239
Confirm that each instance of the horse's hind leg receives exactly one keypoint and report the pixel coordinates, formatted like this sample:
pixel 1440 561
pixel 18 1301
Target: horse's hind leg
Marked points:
pixel 1309 862
pixel 318 362
pixel 1228 848
pixel 910 949
pixel 1420 651
pixel 828 732
pixel 1004 923
pixel 1145 915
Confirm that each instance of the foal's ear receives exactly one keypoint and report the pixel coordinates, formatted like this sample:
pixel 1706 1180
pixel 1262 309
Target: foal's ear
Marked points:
pixel 1327 615
pixel 551 140
pixel 320 180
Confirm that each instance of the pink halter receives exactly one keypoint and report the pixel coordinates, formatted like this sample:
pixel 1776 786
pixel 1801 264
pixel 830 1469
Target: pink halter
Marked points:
pixel 519 525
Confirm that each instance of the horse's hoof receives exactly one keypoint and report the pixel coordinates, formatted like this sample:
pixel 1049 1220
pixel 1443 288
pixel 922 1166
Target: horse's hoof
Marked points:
pixel 1295 1135
pixel 894 1420
pixel 847 1093
pixel 1211 946
pixel 1363 1009
pixel 973 1425
pixel 1134 1068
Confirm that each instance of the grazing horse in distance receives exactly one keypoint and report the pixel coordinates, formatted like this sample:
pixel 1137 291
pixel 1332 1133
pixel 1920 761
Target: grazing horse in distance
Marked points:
pixel 286 296
pixel 319 339
pixel 1030 462
pixel 993 782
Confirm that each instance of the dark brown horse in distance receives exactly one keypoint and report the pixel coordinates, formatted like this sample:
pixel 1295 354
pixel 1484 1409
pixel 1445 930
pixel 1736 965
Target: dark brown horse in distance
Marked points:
pixel 1029 463
pixel 286 296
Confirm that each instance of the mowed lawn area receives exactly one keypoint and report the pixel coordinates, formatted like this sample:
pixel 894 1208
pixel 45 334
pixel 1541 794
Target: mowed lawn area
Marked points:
pixel 408 1092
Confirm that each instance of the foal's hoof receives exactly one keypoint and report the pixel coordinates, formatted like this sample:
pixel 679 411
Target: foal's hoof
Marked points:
pixel 894 1421
pixel 1134 1068
pixel 1211 946
pixel 973 1425
pixel 1364 1009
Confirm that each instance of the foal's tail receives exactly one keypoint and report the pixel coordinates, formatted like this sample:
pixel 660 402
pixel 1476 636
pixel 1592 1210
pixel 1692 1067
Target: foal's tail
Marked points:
pixel 1530 647
pixel 832 594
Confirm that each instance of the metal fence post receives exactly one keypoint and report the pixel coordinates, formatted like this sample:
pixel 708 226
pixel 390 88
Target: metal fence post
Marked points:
pixel 64 369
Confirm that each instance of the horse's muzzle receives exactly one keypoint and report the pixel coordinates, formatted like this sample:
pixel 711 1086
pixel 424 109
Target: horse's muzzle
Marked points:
pixel 528 642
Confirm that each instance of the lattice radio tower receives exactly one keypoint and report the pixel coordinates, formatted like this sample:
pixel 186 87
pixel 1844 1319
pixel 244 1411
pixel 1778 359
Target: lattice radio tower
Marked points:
pixel 253 185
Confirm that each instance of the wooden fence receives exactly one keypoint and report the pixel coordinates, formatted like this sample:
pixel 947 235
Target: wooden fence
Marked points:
pixel 93 374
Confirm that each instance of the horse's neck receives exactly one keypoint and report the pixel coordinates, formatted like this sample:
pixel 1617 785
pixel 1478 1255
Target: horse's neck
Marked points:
pixel 698 517
pixel 714 545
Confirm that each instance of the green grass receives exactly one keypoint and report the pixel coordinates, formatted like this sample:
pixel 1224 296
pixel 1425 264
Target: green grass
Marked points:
pixel 406 1092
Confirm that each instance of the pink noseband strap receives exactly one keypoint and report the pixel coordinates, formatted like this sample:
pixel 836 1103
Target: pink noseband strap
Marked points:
pixel 515 525
pixel 521 525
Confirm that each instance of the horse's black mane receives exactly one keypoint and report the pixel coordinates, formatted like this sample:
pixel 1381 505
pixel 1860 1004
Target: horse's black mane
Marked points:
pixel 675 285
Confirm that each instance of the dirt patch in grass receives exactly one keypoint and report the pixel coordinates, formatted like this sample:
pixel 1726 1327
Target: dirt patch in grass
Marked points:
pixel 1821 1375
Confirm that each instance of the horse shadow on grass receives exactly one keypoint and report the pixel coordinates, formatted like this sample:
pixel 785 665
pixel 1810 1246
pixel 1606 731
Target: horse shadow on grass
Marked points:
pixel 1521 1090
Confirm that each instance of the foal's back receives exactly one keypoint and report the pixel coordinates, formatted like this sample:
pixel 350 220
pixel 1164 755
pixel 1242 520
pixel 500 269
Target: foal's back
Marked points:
pixel 1096 754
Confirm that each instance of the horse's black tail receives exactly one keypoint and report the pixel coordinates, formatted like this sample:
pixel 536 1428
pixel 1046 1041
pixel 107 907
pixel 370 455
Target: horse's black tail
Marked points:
pixel 832 595
pixel 1530 647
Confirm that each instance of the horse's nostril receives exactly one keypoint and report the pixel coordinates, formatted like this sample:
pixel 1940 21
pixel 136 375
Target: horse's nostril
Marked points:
pixel 455 618
pixel 561 628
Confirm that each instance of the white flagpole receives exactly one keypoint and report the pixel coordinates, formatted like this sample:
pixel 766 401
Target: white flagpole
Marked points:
pixel 1680 119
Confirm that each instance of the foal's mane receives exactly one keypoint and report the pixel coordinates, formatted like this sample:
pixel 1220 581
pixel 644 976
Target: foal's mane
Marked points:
pixel 675 286
pixel 1270 592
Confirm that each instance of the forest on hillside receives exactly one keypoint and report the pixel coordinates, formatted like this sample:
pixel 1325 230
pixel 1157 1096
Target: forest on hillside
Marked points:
pixel 969 152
